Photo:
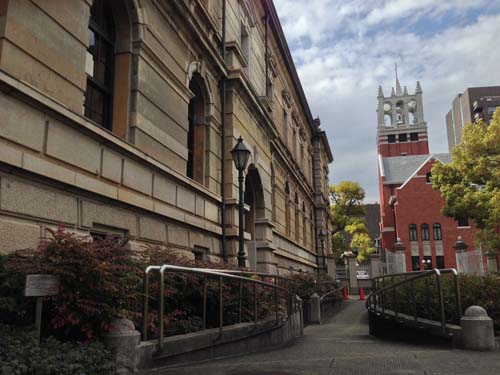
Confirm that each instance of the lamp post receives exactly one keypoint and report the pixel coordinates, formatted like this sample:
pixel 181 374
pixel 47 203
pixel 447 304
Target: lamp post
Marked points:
pixel 322 238
pixel 240 154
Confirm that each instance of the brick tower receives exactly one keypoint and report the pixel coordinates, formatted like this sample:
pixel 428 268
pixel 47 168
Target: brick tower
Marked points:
pixel 401 126
pixel 401 138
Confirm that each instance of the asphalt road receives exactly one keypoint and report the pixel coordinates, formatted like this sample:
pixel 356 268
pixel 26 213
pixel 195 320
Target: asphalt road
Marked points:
pixel 343 346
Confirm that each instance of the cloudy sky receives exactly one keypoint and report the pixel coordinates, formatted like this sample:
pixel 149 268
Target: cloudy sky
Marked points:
pixel 345 49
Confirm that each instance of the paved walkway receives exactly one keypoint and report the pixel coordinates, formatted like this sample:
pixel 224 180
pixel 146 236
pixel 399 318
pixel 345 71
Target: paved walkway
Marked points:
pixel 343 346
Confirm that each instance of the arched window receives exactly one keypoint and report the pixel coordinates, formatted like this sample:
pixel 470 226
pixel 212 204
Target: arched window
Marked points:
pixel 297 222
pixel 436 228
pixel 98 105
pixel 304 224
pixel 195 168
pixel 273 193
pixel 311 225
pixel 287 209
pixel 425 232
pixel 413 232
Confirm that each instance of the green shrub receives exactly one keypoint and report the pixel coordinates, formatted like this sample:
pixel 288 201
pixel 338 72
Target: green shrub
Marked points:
pixel 305 284
pixel 20 354
pixel 474 290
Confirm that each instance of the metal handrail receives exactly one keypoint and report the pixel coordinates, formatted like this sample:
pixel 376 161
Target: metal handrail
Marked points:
pixel 378 296
pixel 330 292
pixel 220 274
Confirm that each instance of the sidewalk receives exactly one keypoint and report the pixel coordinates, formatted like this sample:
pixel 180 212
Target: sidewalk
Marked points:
pixel 343 346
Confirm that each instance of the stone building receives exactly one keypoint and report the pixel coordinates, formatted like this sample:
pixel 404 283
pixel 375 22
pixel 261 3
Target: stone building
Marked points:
pixel 410 209
pixel 473 104
pixel 118 116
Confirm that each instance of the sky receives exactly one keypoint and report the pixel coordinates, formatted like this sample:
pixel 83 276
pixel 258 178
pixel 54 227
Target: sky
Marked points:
pixel 344 49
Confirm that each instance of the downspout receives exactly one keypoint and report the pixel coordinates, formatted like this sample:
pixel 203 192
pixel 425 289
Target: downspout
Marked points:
pixel 223 134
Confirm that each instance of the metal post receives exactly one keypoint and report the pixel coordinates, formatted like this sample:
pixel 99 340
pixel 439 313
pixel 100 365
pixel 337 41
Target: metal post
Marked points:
pixel 414 300
pixel 162 310
pixel 428 297
pixel 204 302
pixel 221 308
pixel 145 312
pixel 276 300
pixel 241 251
pixel 255 317
pixel 457 296
pixel 38 317
pixel 441 303
pixel 241 297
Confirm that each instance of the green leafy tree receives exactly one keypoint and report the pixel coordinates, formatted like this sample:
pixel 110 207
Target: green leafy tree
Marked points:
pixel 470 183
pixel 349 225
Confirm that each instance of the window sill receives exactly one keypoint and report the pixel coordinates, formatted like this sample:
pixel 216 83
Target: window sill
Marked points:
pixel 468 227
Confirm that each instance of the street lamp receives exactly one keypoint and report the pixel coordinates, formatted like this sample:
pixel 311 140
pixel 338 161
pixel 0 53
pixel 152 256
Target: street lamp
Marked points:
pixel 322 238
pixel 240 154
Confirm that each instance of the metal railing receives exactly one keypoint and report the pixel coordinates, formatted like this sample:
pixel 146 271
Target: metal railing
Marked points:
pixel 221 275
pixel 330 292
pixel 385 294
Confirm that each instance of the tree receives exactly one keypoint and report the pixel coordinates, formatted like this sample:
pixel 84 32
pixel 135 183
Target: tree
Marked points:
pixel 349 231
pixel 470 183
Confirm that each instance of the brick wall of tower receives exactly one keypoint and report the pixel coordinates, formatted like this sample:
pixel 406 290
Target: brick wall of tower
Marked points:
pixel 408 148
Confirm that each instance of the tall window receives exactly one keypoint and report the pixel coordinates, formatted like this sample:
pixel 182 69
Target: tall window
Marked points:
pixel 273 193
pixel 100 65
pixel 415 263
pixel 287 209
pixel 428 177
pixel 196 132
pixel 425 232
pixel 285 127
pixel 297 222
pixel 304 224
pixel 440 262
pixel 413 232
pixel 436 228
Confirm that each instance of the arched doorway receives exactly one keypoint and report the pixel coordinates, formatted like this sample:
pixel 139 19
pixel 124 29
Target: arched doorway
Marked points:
pixel 254 198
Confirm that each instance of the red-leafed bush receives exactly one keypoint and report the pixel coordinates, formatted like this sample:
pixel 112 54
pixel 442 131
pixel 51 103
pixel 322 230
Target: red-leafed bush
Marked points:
pixel 99 282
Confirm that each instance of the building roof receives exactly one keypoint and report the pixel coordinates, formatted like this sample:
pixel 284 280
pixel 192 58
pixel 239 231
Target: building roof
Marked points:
pixel 398 169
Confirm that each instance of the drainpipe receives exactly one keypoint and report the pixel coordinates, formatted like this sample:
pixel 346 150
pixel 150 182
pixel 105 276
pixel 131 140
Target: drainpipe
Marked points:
pixel 223 133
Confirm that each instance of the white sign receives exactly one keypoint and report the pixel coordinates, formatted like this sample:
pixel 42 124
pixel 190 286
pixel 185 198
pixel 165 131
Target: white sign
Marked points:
pixel 41 285
pixel 362 275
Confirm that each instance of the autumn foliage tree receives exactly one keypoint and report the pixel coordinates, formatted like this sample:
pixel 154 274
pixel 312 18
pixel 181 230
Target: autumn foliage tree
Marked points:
pixel 349 231
pixel 470 183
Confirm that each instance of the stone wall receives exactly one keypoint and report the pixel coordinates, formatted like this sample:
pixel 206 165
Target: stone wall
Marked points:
pixel 133 179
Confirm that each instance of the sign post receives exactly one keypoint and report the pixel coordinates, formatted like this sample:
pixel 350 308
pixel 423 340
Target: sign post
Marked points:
pixel 40 286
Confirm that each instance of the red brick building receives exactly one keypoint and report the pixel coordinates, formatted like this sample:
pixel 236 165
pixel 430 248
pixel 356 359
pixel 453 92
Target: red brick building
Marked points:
pixel 410 209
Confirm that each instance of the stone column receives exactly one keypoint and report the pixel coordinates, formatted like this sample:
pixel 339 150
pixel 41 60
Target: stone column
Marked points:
pixel 460 247
pixel 400 250
pixel 374 265
pixel 331 267
pixel 353 280
pixel 491 262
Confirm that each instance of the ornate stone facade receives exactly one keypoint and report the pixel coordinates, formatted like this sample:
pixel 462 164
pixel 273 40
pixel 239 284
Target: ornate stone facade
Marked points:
pixel 118 116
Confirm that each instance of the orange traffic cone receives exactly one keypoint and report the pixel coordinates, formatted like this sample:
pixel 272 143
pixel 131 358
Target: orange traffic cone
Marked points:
pixel 361 294
pixel 346 297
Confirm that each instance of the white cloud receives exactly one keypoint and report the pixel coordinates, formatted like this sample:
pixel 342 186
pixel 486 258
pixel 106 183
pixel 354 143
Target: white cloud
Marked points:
pixel 344 50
